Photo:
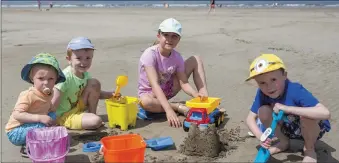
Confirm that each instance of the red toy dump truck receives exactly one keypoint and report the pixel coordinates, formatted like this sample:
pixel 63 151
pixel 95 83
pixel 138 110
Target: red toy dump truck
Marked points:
pixel 204 112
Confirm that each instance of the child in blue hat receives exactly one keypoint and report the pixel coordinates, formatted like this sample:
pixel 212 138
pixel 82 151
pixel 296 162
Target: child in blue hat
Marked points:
pixel 33 108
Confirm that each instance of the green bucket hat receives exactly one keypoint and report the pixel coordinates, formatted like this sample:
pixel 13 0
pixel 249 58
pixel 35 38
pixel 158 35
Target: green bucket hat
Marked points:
pixel 42 58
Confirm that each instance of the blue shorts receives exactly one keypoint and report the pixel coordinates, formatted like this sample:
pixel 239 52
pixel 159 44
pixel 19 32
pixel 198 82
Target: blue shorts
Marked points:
pixel 292 128
pixel 17 136
pixel 146 115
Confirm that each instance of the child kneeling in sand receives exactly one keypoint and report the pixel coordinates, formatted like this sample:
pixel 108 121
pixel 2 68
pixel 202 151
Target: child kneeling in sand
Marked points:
pixel 163 73
pixel 80 91
pixel 307 118
pixel 33 108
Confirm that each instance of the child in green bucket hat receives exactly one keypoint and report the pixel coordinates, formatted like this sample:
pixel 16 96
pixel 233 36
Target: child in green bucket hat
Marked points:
pixel 33 108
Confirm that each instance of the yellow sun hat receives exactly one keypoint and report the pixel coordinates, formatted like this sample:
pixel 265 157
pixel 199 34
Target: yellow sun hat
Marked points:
pixel 265 63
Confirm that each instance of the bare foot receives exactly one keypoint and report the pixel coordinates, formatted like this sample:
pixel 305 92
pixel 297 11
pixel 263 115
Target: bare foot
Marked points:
pixel 310 156
pixel 279 147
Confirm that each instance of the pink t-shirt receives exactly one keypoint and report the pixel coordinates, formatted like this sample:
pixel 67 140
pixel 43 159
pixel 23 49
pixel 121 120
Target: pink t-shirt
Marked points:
pixel 166 67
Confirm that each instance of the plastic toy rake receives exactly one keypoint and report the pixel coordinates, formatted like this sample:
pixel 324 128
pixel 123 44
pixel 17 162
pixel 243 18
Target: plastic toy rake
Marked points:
pixel 263 154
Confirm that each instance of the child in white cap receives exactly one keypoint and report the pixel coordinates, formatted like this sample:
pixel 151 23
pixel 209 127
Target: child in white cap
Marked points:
pixel 163 73
pixel 80 91
pixel 33 108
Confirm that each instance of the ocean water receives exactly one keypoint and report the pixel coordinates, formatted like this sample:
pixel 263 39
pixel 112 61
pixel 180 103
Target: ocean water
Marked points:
pixel 173 3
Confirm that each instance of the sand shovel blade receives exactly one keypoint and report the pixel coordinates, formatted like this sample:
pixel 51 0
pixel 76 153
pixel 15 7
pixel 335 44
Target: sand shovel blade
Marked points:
pixel 121 81
pixel 159 143
pixel 262 156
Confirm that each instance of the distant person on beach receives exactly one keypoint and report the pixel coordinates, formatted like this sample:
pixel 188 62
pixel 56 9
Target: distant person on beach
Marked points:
pixel 212 6
pixel 163 73
pixel 80 92
pixel 33 108
pixel 39 4
pixel 50 5
pixel 307 118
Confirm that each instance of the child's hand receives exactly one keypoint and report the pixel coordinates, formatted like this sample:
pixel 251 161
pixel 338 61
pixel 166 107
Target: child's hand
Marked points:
pixel 47 120
pixel 267 143
pixel 277 107
pixel 173 119
pixel 118 95
pixel 201 95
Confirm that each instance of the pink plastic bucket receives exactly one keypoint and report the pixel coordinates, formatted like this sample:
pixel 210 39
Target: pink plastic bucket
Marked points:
pixel 48 144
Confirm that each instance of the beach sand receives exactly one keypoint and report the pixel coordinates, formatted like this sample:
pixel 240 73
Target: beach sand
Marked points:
pixel 306 39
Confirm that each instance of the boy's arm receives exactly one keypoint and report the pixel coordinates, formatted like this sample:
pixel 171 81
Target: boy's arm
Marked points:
pixel 106 94
pixel 253 115
pixel 20 110
pixel 186 87
pixel 58 91
pixel 309 106
pixel 252 125
pixel 25 117
pixel 319 111
pixel 103 94
pixel 56 98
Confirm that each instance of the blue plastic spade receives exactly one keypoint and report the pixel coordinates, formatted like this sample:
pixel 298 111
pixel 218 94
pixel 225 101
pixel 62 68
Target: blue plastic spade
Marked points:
pixel 263 154
pixel 91 147
pixel 159 143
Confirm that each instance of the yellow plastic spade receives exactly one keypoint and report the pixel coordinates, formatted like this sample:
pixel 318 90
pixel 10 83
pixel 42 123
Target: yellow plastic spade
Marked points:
pixel 120 82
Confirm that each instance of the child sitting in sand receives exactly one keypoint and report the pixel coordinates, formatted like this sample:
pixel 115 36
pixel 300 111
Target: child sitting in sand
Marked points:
pixel 163 73
pixel 33 108
pixel 80 91
pixel 307 118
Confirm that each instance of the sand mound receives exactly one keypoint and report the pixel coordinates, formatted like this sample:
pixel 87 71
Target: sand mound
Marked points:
pixel 209 142
pixel 201 143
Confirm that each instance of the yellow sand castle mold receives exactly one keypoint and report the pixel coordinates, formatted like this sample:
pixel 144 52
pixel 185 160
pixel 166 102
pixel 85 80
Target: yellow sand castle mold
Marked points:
pixel 122 112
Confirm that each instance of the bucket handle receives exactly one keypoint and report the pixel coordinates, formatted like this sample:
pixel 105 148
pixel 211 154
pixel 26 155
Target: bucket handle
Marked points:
pixel 101 150
pixel 42 160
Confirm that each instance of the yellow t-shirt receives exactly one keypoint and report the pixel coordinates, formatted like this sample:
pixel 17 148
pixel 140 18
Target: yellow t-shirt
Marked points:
pixel 31 101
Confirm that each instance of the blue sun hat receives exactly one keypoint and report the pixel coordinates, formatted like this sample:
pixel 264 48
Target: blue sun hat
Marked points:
pixel 80 43
pixel 42 58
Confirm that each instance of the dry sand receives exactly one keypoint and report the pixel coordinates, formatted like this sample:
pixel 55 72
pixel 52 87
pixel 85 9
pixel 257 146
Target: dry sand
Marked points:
pixel 306 39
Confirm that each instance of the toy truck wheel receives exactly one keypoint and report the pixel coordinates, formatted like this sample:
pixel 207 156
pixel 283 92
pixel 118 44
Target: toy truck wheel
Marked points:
pixel 216 120
pixel 222 117
pixel 184 127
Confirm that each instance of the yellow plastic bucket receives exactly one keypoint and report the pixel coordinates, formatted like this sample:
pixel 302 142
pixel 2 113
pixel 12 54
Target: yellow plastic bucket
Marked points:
pixel 123 112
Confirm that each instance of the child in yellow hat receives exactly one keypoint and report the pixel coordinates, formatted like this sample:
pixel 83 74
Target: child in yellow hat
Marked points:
pixel 307 118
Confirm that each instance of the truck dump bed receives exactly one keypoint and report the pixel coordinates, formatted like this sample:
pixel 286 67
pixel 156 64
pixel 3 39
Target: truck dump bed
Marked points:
pixel 210 103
